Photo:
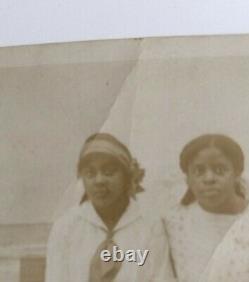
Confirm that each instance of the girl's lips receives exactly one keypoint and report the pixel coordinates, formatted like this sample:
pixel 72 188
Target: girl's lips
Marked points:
pixel 103 194
pixel 210 193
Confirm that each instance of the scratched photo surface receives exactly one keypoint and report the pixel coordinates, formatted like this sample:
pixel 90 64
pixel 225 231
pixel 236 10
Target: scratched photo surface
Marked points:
pixel 170 153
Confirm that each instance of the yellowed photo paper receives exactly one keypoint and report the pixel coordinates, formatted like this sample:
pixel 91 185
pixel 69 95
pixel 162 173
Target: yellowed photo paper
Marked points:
pixel 125 160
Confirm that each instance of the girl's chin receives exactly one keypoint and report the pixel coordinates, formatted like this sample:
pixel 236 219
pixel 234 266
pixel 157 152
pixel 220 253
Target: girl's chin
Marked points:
pixel 211 205
pixel 102 203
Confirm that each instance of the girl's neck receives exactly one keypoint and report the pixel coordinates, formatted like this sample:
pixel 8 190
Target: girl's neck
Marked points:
pixel 112 214
pixel 232 206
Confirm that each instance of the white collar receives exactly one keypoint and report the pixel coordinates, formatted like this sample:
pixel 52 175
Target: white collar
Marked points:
pixel 131 214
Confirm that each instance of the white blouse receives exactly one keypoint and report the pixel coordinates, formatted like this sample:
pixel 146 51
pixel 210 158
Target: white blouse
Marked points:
pixel 76 236
pixel 193 236
pixel 230 262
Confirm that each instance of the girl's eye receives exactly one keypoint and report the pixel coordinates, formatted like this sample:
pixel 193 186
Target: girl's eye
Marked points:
pixel 199 170
pixel 109 171
pixel 219 170
pixel 89 173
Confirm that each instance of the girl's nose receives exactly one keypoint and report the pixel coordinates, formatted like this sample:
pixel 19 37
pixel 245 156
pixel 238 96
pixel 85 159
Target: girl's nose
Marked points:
pixel 99 178
pixel 209 176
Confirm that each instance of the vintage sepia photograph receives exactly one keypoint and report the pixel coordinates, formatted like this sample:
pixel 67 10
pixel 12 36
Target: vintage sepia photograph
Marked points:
pixel 125 160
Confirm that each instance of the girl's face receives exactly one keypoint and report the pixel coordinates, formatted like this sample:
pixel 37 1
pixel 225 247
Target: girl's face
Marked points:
pixel 212 179
pixel 104 180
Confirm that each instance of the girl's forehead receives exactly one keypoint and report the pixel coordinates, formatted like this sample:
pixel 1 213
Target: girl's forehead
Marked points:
pixel 210 155
pixel 100 159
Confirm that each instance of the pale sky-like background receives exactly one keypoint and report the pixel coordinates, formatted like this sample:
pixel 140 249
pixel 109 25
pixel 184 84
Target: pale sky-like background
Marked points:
pixel 44 21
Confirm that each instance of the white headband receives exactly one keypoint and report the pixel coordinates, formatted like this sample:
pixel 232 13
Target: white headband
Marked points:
pixel 104 146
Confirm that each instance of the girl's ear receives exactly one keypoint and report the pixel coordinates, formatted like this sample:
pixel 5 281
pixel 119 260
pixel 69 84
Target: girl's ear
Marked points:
pixel 84 197
pixel 241 187
pixel 188 198
pixel 187 179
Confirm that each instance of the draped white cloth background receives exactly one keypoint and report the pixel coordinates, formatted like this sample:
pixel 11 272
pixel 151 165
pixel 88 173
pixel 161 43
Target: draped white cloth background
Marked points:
pixel 49 97
pixel 179 89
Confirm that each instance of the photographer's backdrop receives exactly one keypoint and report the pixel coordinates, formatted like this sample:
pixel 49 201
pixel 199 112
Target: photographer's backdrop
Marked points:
pixel 54 96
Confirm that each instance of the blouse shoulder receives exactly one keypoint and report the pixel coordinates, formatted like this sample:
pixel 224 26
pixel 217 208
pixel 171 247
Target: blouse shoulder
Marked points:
pixel 65 222
pixel 239 231
pixel 177 213
pixel 230 259
pixel 157 228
